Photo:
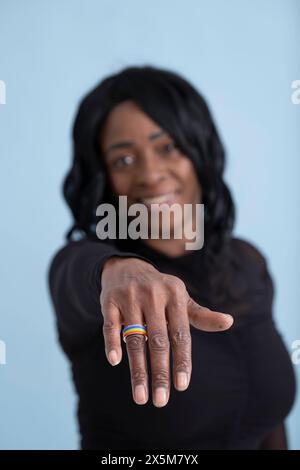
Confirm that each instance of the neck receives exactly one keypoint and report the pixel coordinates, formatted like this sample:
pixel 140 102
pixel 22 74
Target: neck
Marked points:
pixel 170 247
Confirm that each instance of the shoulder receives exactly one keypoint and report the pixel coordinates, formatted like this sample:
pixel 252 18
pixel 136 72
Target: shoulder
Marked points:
pixel 248 256
pixel 253 280
pixel 79 251
pixel 65 250
pixel 85 245
pixel 247 249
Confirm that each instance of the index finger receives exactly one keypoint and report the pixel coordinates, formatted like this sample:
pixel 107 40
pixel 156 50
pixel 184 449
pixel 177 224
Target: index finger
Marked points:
pixel 206 319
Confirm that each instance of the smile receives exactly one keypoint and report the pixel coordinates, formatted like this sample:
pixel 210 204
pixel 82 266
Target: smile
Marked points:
pixel 167 198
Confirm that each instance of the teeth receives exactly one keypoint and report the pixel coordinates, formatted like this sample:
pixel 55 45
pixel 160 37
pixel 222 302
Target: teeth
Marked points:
pixel 158 199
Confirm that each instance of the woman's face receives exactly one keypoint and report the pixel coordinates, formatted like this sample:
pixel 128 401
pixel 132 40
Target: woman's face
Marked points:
pixel 143 162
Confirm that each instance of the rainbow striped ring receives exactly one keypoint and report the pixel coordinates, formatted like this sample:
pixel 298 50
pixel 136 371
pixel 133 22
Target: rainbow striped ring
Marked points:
pixel 135 330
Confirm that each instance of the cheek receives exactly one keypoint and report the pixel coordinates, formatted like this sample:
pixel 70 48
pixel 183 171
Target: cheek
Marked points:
pixel 188 176
pixel 120 183
pixel 195 185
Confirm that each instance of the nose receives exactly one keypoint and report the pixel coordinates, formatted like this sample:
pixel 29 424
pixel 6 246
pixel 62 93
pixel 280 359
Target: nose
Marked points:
pixel 150 171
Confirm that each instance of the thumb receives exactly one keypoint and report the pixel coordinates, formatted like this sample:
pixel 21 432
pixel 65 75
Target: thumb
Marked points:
pixel 205 319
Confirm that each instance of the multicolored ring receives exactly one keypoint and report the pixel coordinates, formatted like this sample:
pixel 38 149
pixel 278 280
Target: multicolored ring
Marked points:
pixel 135 329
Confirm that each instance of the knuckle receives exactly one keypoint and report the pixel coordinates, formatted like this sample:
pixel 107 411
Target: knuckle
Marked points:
pixel 182 365
pixel 159 341
pixel 180 337
pixel 109 325
pixel 172 278
pixel 176 284
pixel 160 377
pixel 135 343
pixel 178 301
pixel 138 376
pixel 153 287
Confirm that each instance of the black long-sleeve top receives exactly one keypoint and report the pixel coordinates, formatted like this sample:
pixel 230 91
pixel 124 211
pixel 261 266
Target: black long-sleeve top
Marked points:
pixel 242 383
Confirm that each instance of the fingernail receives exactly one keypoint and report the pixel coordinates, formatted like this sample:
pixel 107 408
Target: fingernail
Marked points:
pixel 230 318
pixel 160 398
pixel 182 380
pixel 113 357
pixel 140 394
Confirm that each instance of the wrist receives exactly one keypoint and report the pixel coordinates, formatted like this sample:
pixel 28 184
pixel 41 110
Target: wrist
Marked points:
pixel 120 262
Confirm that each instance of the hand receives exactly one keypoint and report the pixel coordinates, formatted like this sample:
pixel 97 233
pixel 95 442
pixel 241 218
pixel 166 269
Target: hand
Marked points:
pixel 133 291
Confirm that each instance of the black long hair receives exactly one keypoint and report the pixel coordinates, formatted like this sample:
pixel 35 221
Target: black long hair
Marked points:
pixel 180 110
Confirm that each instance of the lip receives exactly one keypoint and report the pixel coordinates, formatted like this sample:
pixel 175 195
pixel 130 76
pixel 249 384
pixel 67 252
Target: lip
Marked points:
pixel 172 193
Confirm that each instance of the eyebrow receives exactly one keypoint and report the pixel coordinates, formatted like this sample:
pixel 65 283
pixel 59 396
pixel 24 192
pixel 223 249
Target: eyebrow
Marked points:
pixel 130 143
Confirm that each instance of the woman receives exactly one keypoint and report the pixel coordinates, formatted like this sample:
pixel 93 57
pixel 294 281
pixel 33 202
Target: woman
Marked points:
pixel 186 376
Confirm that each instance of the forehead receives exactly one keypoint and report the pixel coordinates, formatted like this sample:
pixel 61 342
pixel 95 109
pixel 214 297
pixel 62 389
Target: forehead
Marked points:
pixel 128 120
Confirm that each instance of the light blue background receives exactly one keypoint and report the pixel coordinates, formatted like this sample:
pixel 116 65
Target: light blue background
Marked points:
pixel 242 54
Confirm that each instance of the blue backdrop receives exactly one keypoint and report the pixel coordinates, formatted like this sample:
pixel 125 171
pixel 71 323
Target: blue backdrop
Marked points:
pixel 242 55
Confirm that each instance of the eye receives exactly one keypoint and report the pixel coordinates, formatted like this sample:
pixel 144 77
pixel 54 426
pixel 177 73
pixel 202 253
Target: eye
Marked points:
pixel 169 148
pixel 123 161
